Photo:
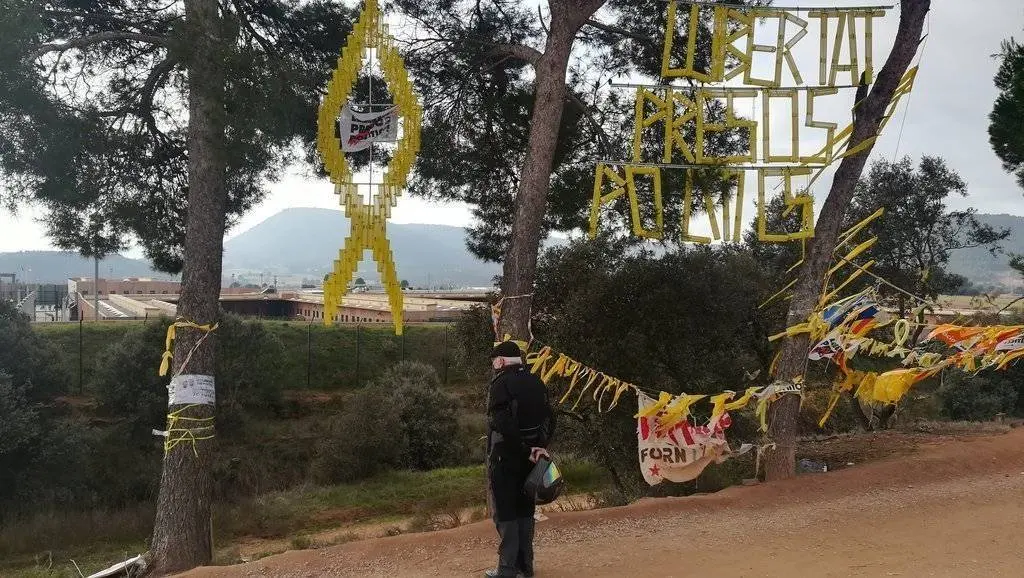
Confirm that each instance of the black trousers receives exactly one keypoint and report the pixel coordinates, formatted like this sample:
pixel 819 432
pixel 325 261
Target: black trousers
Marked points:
pixel 513 513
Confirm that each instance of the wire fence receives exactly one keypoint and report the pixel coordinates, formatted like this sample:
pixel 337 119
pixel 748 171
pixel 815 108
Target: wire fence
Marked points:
pixel 313 356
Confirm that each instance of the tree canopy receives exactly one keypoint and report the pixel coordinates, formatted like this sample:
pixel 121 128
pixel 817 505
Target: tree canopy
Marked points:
pixel 473 63
pixel 917 233
pixel 94 116
pixel 1007 116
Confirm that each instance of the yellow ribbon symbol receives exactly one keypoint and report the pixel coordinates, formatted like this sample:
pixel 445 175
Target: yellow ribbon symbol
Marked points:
pixel 368 229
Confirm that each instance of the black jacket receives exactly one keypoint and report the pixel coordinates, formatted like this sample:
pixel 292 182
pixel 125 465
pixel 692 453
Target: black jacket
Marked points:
pixel 519 413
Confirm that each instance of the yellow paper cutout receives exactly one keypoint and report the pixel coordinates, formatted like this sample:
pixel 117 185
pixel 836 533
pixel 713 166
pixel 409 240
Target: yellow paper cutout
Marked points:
pixel 766 125
pixel 805 203
pixel 731 122
pixel 667 71
pixel 603 172
pixel 634 202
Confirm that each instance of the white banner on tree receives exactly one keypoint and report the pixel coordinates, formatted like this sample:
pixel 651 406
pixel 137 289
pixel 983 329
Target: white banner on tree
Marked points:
pixel 191 389
pixel 358 130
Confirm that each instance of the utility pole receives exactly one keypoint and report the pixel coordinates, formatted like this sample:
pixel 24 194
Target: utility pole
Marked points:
pixel 96 288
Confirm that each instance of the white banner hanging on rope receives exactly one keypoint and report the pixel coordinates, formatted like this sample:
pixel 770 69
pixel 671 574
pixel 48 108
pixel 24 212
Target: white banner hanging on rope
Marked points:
pixel 358 130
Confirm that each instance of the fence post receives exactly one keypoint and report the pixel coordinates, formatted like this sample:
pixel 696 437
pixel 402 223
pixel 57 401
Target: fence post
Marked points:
pixel 309 351
pixel 445 357
pixel 80 353
pixel 359 329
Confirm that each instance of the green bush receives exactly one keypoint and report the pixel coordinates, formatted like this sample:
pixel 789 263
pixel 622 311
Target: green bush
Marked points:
pixel 403 420
pixel 429 415
pixel 366 439
pixel 40 458
pixel 249 374
pixel 977 398
pixel 126 382
pixel 28 359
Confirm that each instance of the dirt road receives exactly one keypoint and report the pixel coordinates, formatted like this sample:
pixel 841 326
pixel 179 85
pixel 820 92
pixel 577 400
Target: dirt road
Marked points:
pixel 954 508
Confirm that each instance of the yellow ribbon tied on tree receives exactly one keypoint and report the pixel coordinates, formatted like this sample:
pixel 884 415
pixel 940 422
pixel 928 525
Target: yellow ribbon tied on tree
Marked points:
pixel 165 361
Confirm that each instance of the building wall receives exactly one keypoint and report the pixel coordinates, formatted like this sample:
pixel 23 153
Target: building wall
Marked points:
pixel 130 286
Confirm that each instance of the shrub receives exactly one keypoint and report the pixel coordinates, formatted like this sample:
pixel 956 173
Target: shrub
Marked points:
pixel 249 373
pixel 28 359
pixel 977 398
pixel 403 420
pixel 126 380
pixel 428 414
pixel 366 439
pixel 40 459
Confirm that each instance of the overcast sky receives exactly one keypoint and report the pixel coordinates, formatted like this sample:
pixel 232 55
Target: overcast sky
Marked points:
pixel 946 115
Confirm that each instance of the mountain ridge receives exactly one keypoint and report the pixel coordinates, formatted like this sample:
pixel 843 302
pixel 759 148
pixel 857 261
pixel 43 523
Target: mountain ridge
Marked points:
pixel 303 243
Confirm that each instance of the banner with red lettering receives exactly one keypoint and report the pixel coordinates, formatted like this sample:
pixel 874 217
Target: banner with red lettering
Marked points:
pixel 681 453
pixel 358 130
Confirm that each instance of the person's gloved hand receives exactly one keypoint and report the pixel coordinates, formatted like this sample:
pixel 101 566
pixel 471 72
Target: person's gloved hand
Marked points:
pixel 536 453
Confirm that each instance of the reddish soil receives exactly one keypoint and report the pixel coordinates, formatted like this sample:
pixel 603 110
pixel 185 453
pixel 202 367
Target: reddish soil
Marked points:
pixel 952 507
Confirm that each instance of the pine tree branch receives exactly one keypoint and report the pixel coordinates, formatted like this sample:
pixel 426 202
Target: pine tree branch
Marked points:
pixel 96 39
pixel 617 30
pixel 520 51
pixel 148 92
pixel 243 17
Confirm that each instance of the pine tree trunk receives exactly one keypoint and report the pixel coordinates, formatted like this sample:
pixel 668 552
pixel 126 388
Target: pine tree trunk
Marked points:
pixel 783 423
pixel 182 531
pixel 520 266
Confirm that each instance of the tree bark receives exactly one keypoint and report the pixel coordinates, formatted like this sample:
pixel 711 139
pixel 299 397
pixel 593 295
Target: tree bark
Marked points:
pixel 182 531
pixel 520 266
pixel 783 423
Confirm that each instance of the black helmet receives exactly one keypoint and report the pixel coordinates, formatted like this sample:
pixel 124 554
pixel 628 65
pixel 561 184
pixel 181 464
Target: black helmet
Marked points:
pixel 545 482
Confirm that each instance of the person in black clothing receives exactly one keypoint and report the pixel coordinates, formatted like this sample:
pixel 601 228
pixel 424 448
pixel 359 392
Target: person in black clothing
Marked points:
pixel 520 427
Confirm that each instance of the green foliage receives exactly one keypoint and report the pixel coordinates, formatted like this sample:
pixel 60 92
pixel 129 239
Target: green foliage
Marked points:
pixel 687 314
pixel 125 381
pixel 92 118
pixel 680 321
pixel 473 65
pixel 366 439
pixel 1007 114
pixel 472 340
pixel 979 397
pixel 20 433
pixel 403 420
pixel 40 458
pixel 917 233
pixel 1017 263
pixel 249 374
pixel 28 360
pixel 338 357
pixel 428 414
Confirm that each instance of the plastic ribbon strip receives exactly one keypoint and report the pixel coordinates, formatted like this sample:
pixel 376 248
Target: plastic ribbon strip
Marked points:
pixel 186 430
pixel 168 355
pixel 671 409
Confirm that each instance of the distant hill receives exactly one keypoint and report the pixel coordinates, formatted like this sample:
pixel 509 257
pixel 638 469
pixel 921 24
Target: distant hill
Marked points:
pixel 57 266
pixel 980 266
pixel 306 242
